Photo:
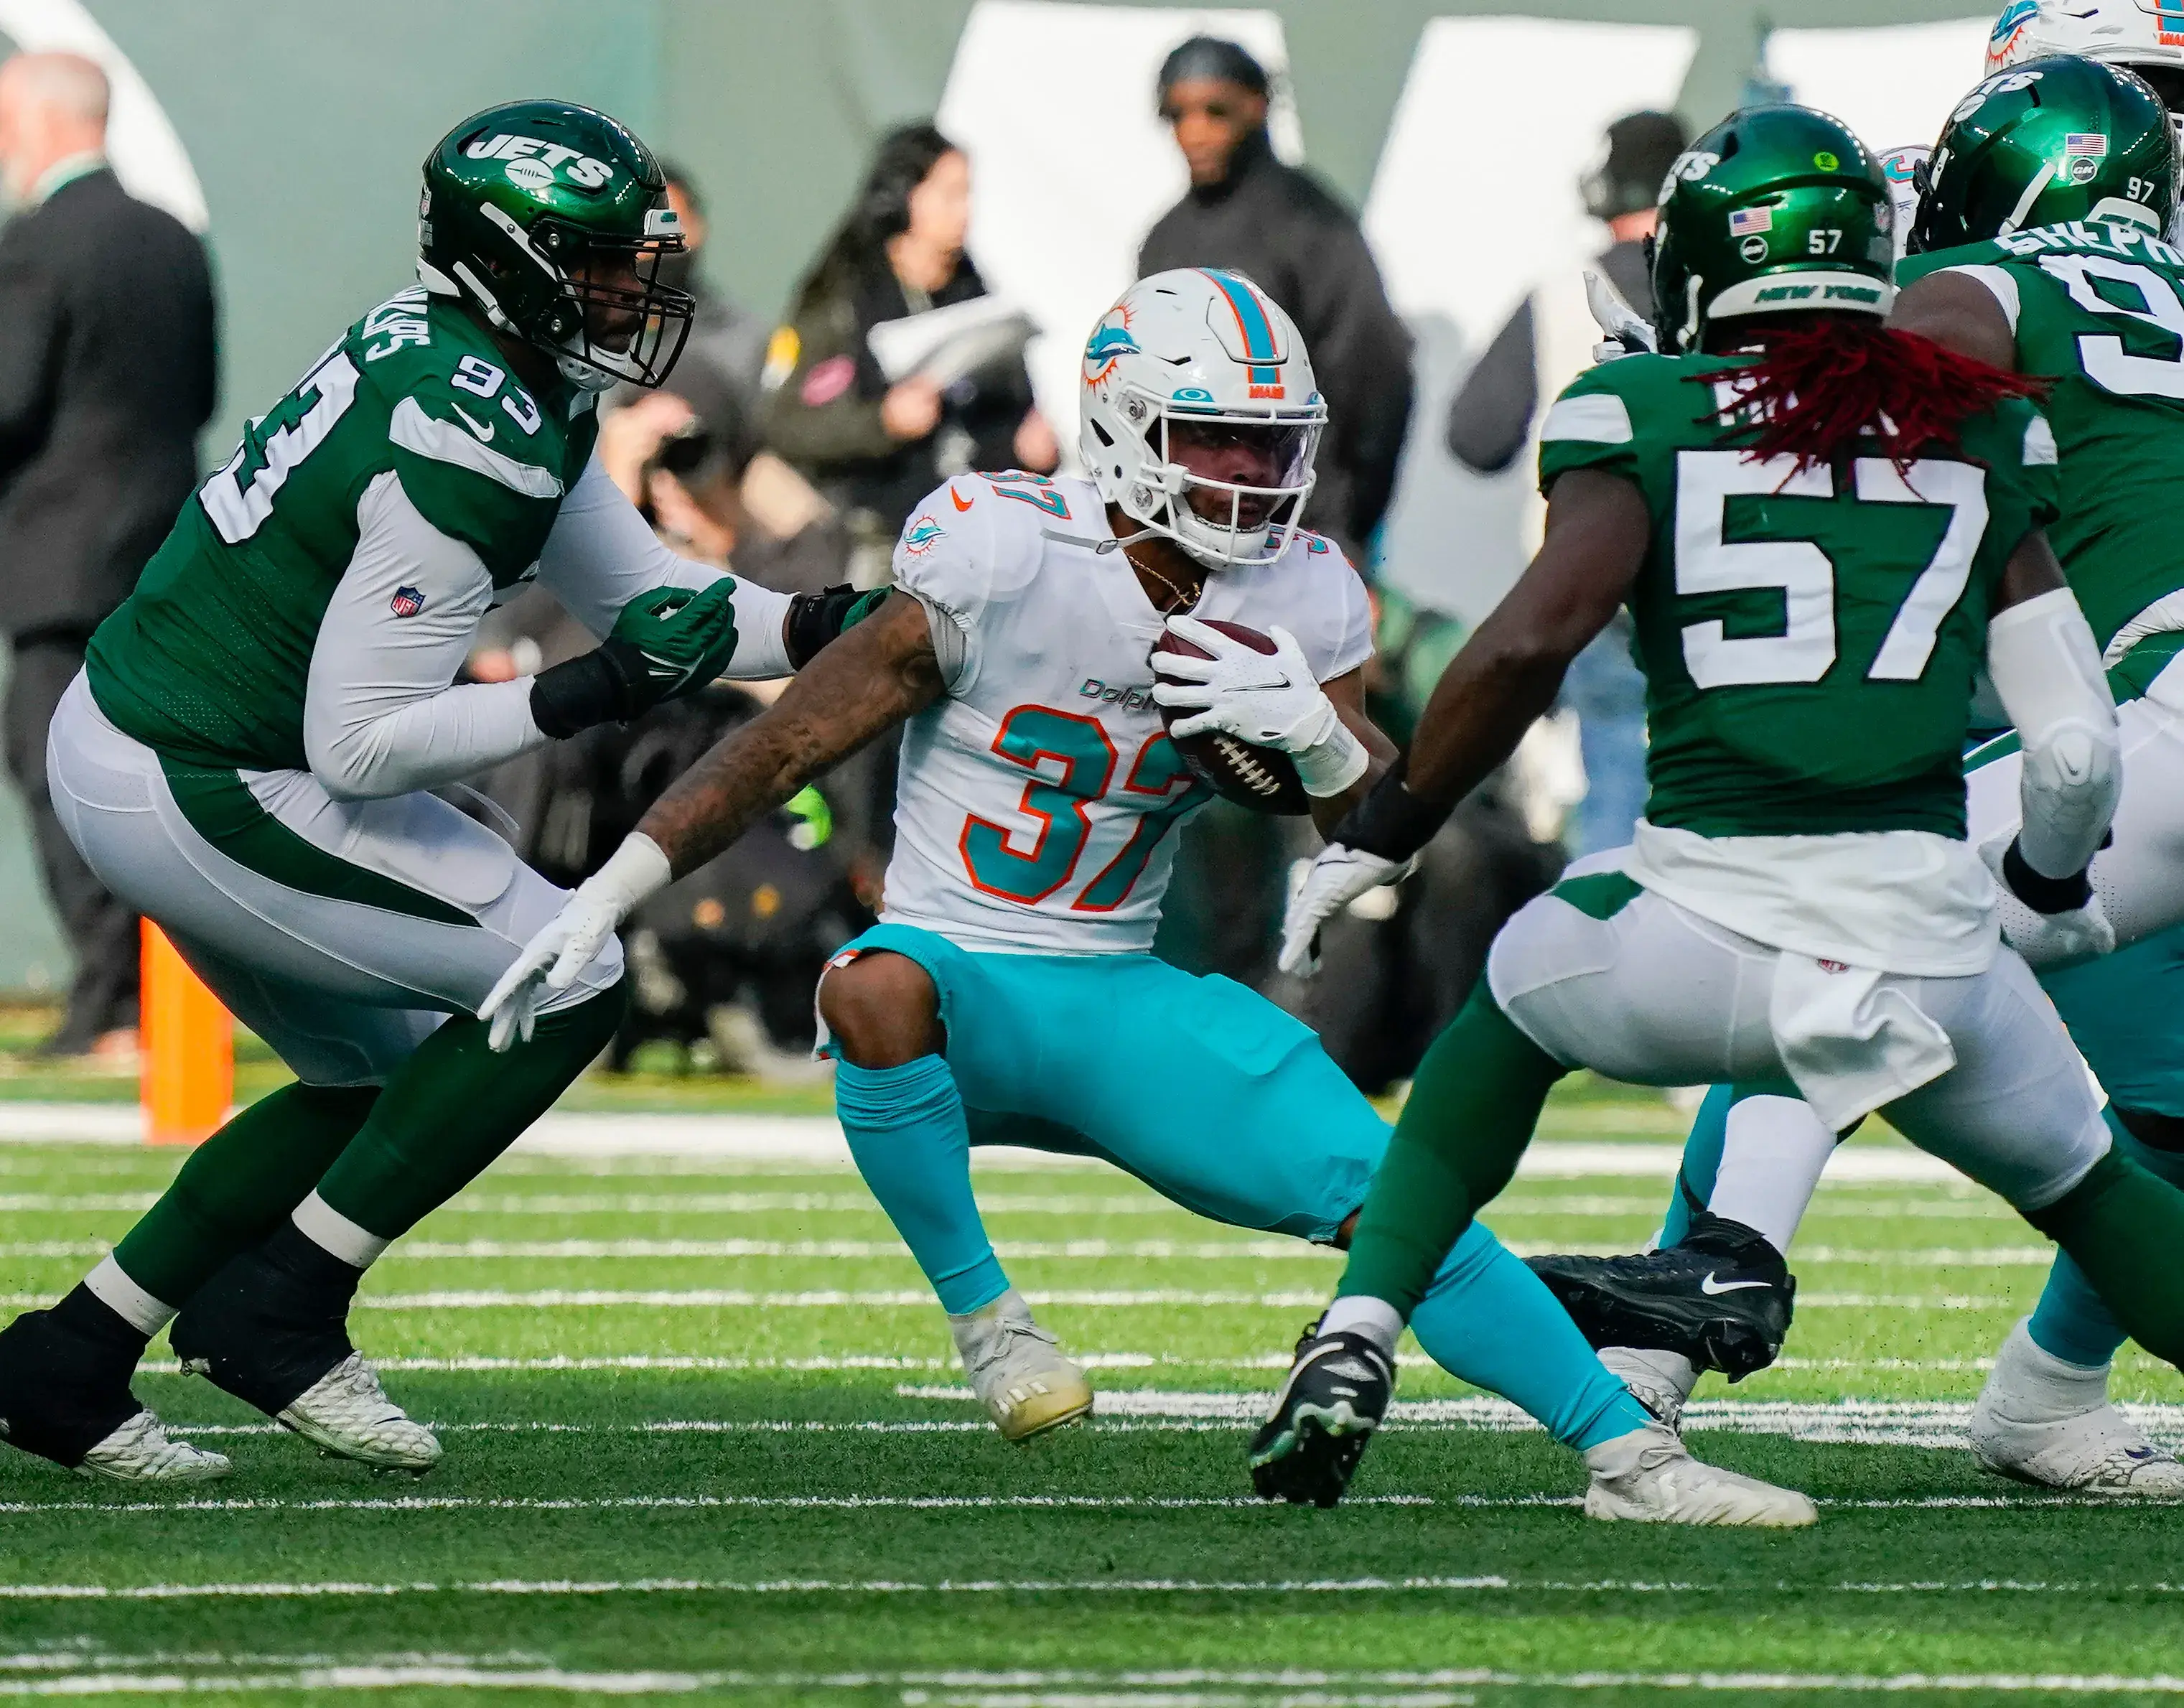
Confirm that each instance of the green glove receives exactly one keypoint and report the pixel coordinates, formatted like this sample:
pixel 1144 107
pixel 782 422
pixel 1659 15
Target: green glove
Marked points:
pixel 668 642
pixel 681 640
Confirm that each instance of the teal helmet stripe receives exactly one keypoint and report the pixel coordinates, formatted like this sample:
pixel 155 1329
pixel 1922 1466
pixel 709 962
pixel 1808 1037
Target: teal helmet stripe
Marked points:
pixel 1250 319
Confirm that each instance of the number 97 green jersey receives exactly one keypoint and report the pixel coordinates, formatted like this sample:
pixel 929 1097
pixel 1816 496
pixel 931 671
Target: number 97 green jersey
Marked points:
pixel 1808 638
pixel 2098 308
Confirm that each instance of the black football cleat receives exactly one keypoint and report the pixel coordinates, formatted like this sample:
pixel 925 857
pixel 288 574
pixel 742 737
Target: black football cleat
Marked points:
pixel 64 1396
pixel 1722 1297
pixel 1333 1398
pixel 271 1328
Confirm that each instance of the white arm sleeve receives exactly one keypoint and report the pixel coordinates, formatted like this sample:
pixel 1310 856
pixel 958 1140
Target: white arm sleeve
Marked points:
pixel 379 716
pixel 2048 673
pixel 600 555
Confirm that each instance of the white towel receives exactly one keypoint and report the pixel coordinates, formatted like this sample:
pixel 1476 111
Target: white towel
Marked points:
pixel 1851 1037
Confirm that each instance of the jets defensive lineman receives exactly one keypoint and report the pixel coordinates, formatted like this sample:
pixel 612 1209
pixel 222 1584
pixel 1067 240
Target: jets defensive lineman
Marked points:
pixel 247 756
pixel 1009 993
pixel 2061 166
pixel 1815 563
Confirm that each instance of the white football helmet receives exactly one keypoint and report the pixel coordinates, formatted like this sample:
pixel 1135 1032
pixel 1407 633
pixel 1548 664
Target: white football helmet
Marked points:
pixel 2146 35
pixel 1194 351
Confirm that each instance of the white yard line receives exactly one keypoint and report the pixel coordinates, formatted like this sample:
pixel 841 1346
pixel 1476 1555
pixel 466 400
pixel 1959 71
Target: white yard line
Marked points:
pixel 997 1503
pixel 70 1674
pixel 818 1139
pixel 1044 1586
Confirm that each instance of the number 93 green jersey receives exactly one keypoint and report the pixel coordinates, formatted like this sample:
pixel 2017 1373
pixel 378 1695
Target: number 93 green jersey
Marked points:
pixel 1808 638
pixel 2098 307
pixel 209 660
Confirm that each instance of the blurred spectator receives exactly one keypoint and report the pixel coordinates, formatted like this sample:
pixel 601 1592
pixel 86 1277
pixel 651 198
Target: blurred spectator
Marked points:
pixel 107 374
pixel 1545 344
pixel 874 449
pixel 717 373
pixel 1283 229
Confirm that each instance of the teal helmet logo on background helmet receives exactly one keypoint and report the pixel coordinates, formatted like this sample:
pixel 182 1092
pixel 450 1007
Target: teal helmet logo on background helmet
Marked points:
pixel 1777 210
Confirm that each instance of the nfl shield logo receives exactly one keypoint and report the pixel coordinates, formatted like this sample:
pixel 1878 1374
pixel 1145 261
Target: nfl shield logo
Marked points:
pixel 407 602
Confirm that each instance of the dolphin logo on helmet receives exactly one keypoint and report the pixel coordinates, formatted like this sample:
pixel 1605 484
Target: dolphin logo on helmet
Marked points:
pixel 1200 350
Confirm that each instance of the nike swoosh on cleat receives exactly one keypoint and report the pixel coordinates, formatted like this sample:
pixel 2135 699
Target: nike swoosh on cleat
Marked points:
pixel 482 429
pixel 1710 1286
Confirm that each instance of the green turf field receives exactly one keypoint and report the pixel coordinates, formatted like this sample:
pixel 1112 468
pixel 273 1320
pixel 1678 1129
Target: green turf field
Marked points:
pixel 704 1435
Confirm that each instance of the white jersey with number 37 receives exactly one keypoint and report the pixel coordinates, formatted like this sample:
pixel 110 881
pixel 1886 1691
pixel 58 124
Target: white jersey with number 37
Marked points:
pixel 1038 801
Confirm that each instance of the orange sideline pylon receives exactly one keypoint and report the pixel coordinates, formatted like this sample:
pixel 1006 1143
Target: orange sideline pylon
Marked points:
pixel 189 1048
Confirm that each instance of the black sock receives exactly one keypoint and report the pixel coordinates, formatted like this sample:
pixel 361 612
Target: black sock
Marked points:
pixel 296 1253
pixel 84 1313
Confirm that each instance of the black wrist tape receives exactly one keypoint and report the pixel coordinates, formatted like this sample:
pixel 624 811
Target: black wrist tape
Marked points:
pixel 816 620
pixel 2039 894
pixel 1390 822
pixel 585 692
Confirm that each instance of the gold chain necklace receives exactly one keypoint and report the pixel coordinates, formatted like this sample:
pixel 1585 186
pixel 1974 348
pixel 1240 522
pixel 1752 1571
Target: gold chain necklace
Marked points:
pixel 1182 599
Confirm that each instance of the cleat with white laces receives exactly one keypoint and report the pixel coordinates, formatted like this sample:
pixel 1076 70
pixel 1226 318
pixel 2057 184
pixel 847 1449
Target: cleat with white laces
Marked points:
pixel 64 1396
pixel 2043 1420
pixel 1017 1371
pixel 140 1452
pixel 1338 1389
pixel 1649 1476
pixel 347 1413
pixel 271 1328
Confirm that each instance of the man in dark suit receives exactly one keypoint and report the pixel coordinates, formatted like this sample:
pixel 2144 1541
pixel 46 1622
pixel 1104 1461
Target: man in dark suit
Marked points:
pixel 107 374
pixel 1282 228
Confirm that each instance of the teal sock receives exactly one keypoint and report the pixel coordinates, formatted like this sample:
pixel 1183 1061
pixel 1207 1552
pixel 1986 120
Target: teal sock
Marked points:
pixel 1702 1151
pixel 1488 1321
pixel 2070 1322
pixel 912 1141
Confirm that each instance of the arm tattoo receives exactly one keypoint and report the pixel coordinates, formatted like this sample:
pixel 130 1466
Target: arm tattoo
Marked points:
pixel 878 674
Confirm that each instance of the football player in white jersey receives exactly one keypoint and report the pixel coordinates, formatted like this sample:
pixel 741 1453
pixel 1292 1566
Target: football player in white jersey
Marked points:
pixel 1008 992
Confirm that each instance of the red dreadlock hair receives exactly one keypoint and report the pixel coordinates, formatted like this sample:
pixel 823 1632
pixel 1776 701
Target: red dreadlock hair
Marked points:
pixel 1820 386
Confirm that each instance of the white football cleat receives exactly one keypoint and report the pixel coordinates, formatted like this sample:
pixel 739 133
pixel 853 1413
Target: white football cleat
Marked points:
pixel 139 1451
pixel 347 1413
pixel 1648 1477
pixel 1661 1381
pixel 1017 1371
pixel 2043 1419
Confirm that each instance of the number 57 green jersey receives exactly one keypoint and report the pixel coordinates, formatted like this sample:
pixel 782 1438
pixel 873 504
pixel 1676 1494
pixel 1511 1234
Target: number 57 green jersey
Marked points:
pixel 1808 636
pixel 2098 308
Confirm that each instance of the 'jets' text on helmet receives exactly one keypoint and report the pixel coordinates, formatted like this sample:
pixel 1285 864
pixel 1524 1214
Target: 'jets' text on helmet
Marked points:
pixel 1777 210
pixel 1196 357
pixel 550 220
pixel 2048 140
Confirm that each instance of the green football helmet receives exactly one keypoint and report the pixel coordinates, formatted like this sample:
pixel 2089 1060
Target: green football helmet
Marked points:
pixel 550 220
pixel 1774 210
pixel 2048 140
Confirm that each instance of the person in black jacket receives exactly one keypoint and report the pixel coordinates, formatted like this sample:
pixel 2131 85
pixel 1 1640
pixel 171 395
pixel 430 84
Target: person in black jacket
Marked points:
pixel 876 449
pixel 1283 230
pixel 107 373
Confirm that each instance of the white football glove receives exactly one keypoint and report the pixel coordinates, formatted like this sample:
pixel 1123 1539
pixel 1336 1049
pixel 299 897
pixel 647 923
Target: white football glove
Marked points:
pixel 1628 334
pixel 1337 878
pixel 1270 698
pixel 2048 939
pixel 567 943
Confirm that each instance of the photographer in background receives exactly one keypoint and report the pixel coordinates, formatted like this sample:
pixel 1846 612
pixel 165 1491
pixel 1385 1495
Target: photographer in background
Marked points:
pixel 872 448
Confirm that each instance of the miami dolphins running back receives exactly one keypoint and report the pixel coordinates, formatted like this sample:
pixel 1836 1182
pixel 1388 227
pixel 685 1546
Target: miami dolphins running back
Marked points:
pixel 1008 992
pixel 247 755
pixel 1822 526
pixel 2061 167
